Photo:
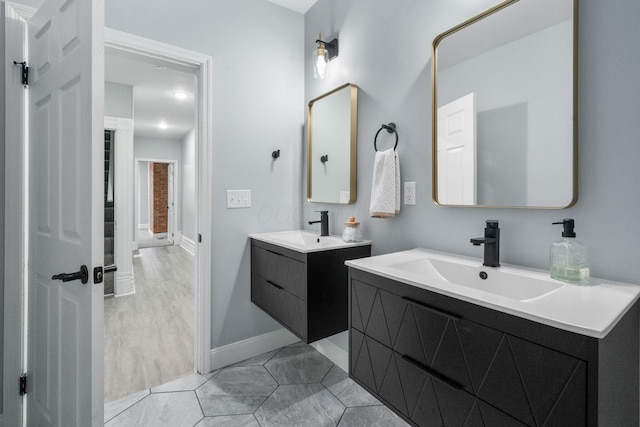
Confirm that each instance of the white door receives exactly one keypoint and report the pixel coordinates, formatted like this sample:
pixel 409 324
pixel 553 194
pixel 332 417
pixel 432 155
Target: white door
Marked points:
pixel 65 349
pixel 170 203
pixel 457 152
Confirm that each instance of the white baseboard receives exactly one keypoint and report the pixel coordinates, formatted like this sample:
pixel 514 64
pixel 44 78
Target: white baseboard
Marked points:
pixel 333 352
pixel 251 347
pixel 124 284
pixel 159 235
pixel 188 245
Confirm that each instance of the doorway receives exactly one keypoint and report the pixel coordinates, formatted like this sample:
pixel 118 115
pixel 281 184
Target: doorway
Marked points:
pixel 159 204
pixel 172 156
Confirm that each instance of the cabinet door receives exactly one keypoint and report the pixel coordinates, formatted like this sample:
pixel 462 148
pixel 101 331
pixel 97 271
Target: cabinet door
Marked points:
pixel 535 384
pixel 415 392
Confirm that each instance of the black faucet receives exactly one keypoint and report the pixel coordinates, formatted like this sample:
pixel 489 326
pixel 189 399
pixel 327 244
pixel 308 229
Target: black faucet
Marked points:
pixel 324 223
pixel 491 242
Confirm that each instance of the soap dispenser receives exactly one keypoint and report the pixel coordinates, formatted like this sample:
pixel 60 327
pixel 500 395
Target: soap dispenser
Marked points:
pixel 352 231
pixel 568 257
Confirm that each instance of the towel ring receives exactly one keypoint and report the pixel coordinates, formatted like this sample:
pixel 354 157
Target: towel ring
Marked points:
pixel 391 128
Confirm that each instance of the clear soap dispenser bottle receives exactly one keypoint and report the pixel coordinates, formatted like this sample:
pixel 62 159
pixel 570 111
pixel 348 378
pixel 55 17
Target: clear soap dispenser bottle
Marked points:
pixel 568 257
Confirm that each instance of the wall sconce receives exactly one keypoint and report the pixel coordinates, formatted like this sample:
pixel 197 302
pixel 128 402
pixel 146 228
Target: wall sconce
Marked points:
pixel 322 54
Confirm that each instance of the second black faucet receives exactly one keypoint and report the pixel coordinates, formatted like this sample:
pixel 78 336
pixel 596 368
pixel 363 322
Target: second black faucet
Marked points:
pixel 324 223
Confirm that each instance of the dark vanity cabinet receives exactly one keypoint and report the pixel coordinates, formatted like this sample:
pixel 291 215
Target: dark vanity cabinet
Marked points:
pixel 440 361
pixel 308 292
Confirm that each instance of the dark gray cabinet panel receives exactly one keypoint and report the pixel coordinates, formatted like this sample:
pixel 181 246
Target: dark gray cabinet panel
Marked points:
pixel 441 361
pixel 306 293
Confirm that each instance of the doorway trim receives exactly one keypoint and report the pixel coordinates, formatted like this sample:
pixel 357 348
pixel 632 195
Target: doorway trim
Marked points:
pixel 123 198
pixel 176 195
pixel 201 65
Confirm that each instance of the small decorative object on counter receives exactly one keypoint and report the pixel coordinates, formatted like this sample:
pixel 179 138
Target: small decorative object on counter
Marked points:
pixel 352 231
pixel 568 257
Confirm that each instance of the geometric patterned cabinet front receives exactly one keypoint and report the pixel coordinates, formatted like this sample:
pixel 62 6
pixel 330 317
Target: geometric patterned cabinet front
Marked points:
pixel 438 361
pixel 306 292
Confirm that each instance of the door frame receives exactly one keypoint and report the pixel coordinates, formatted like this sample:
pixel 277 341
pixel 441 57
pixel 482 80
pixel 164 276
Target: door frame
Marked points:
pixel 123 197
pixel 202 66
pixel 176 194
pixel 16 210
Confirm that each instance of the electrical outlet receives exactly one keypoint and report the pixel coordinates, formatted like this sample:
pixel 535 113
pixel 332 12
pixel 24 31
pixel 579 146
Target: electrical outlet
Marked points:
pixel 409 193
pixel 237 199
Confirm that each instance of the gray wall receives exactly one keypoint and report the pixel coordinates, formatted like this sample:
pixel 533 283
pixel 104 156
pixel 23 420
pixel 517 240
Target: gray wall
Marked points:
pixel 258 84
pixel 118 100
pixel 188 187
pixel 395 86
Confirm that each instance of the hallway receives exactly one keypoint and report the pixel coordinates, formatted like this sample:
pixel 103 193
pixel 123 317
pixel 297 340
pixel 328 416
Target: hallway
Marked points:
pixel 149 336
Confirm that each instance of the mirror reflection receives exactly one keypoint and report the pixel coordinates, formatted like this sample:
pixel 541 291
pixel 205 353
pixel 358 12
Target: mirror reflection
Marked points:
pixel 331 146
pixel 503 108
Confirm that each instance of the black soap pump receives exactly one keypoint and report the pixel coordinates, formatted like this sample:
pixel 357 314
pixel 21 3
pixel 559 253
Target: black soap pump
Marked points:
pixel 568 257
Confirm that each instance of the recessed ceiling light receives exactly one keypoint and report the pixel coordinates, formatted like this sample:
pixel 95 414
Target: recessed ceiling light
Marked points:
pixel 163 125
pixel 180 94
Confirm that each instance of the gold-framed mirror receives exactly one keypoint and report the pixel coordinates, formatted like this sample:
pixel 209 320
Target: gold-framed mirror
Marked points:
pixel 331 146
pixel 504 101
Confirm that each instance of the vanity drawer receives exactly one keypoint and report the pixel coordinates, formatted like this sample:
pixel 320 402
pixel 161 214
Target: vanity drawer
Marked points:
pixel 528 381
pixel 288 309
pixel 423 397
pixel 280 269
pixel 451 346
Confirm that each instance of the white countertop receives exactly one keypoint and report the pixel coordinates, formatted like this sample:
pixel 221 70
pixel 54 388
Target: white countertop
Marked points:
pixel 305 241
pixel 592 310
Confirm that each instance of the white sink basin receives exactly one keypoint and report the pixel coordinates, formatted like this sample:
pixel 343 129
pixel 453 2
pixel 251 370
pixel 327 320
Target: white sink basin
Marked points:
pixel 305 241
pixel 508 282
pixel 591 310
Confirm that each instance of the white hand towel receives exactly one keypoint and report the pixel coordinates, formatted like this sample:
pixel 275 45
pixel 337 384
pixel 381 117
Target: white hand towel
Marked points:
pixel 385 188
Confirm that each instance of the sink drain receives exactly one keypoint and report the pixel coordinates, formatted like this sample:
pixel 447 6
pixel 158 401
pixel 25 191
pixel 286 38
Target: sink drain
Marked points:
pixel 483 275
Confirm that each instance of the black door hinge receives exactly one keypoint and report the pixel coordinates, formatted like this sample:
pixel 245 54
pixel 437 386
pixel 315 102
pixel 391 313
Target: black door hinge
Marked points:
pixel 23 384
pixel 25 72
pixel 199 238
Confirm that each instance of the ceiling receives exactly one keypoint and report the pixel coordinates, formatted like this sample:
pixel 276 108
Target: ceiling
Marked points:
pixel 300 6
pixel 154 84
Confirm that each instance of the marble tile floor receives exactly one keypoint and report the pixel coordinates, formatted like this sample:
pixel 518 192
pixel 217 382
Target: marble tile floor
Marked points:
pixel 294 386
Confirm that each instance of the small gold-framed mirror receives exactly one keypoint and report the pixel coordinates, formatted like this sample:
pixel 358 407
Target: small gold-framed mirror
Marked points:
pixel 504 100
pixel 331 146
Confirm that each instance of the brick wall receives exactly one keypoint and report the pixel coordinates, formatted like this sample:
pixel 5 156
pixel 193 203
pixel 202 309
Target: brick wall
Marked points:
pixel 158 182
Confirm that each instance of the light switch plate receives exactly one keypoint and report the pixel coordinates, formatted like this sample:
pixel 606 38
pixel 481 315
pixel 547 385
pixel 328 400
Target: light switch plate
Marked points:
pixel 409 193
pixel 237 199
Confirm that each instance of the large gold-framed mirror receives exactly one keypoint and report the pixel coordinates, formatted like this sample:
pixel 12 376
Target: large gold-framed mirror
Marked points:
pixel 504 100
pixel 331 146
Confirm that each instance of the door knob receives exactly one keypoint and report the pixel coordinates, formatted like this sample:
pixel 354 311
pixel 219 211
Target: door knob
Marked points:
pixel 82 275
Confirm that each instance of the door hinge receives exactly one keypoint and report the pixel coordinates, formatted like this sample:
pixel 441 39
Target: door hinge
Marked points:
pixel 23 384
pixel 199 238
pixel 25 72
